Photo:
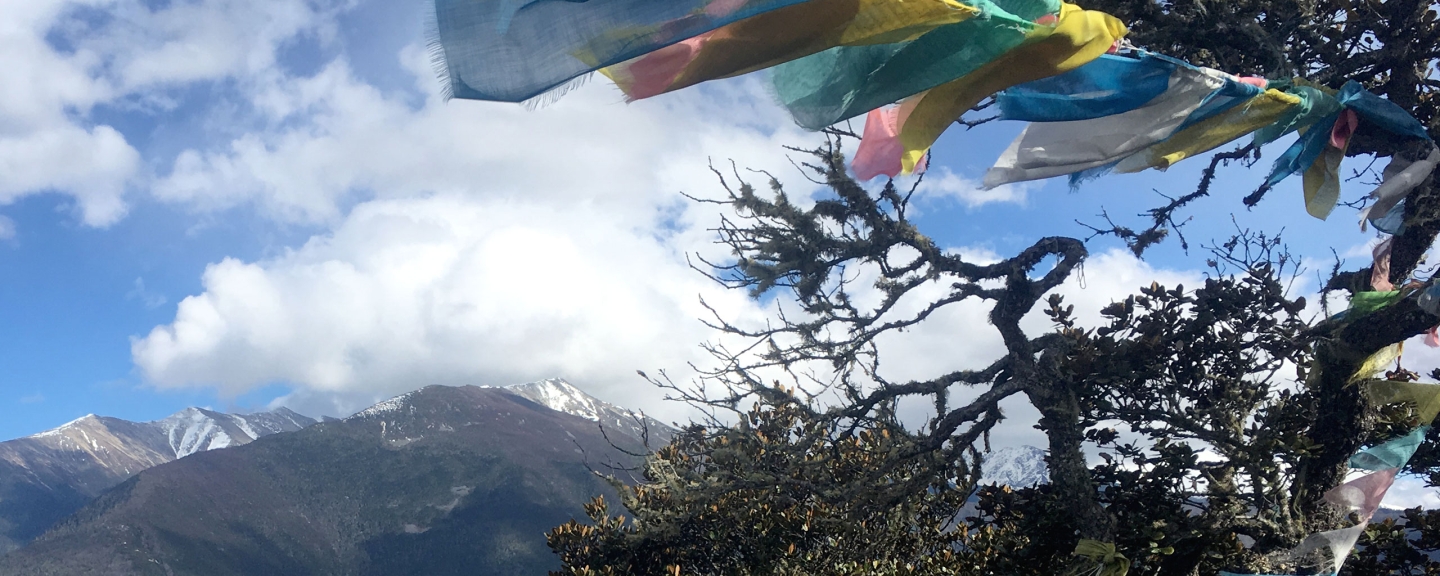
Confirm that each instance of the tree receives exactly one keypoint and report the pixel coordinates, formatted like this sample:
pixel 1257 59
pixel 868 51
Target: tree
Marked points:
pixel 1229 367
pixel 778 493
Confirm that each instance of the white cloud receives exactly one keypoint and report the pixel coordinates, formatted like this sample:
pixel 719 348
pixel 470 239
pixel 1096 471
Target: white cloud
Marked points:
pixel 38 82
pixel 184 41
pixel 442 290
pixel 7 228
pixel 345 141
pixel 942 183
pixel 1409 492
pixel 41 148
pixel 111 52
pixel 472 242
pixel 93 166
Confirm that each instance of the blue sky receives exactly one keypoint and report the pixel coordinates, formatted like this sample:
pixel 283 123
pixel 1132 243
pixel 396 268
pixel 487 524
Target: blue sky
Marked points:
pixel 245 204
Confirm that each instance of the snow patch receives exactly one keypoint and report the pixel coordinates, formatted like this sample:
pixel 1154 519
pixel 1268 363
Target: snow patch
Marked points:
pixel 384 407
pixel 194 430
pixel 60 431
pixel 1015 466
pixel 557 394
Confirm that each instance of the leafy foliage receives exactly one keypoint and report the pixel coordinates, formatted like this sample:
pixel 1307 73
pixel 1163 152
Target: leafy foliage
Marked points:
pixel 779 494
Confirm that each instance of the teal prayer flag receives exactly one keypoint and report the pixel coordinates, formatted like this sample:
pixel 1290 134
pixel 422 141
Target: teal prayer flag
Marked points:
pixel 1388 115
pixel 847 81
pixel 514 50
pixel 1392 454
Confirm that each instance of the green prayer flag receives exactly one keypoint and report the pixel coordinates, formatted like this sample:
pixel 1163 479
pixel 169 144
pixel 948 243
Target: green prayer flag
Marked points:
pixel 1425 397
pixel 1112 562
pixel 1362 303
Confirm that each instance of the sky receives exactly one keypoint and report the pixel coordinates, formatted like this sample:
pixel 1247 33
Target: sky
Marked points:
pixel 245 204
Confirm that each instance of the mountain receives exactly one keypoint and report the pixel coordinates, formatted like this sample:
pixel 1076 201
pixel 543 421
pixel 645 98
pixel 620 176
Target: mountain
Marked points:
pixel 196 430
pixel 1015 466
pixel 557 394
pixel 50 475
pixel 443 480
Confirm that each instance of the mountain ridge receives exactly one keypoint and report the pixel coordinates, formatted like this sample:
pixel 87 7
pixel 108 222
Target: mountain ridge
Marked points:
pixel 558 394
pixel 444 480
pixel 51 474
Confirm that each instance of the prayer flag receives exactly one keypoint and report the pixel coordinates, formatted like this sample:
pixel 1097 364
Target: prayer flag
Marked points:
pixel 1380 268
pixel 1429 299
pixel 1212 132
pixel 1315 105
pixel 1301 155
pixel 1379 360
pixel 1400 177
pixel 1391 221
pixel 1344 128
pixel 1425 397
pixel 1231 93
pixel 1108 86
pixel 1049 149
pixel 1362 303
pixel 1080 36
pixel 514 50
pixel 1338 542
pixel 1384 113
pixel 880 150
pixel 780 36
pixel 1322 179
pixel 844 82
pixel 1363 494
pixel 1392 454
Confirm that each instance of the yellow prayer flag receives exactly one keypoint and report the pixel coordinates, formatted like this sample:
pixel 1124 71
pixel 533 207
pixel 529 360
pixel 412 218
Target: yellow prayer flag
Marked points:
pixel 1375 363
pixel 1077 38
pixel 895 21
pixel 1322 183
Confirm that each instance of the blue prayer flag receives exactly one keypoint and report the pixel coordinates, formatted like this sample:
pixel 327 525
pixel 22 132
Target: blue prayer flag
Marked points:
pixel 1107 86
pixel 1300 155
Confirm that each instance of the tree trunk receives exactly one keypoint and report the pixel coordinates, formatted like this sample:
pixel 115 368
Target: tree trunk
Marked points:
pixel 1069 473
pixel 1341 419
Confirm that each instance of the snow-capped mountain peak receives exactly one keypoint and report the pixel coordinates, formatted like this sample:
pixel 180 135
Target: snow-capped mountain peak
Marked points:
pixel 557 394
pixel 1015 466
pixel 384 407
pixel 192 430
pixel 86 456
pixel 196 429
pixel 176 436
pixel 71 425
